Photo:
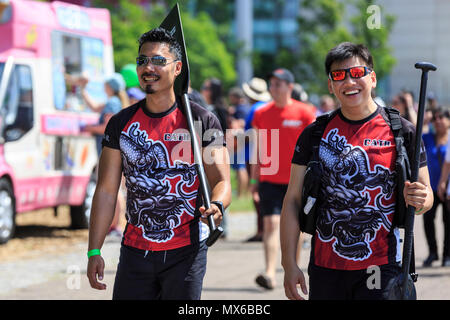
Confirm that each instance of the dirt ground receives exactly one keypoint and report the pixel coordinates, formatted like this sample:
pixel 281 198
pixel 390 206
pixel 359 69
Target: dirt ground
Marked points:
pixel 42 231
pixel 35 264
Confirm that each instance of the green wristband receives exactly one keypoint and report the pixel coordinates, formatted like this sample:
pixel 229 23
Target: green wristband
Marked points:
pixel 93 252
pixel 253 181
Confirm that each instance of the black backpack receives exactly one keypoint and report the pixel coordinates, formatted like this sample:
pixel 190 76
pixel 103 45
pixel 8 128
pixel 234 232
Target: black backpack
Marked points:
pixel 312 180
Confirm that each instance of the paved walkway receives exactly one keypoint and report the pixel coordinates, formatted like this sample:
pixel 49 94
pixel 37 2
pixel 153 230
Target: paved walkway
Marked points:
pixel 232 268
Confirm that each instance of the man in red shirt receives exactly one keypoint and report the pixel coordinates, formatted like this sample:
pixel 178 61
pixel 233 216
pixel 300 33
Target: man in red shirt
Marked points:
pixel 278 125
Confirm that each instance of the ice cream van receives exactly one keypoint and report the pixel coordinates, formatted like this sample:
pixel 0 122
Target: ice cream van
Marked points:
pixel 45 158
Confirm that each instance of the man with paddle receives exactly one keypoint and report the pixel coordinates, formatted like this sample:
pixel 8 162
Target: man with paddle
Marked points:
pixel 164 246
pixel 356 232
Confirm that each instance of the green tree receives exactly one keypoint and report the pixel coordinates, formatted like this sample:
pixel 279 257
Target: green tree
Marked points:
pixel 207 54
pixel 322 26
pixel 374 38
pixel 218 16
pixel 221 12
pixel 128 22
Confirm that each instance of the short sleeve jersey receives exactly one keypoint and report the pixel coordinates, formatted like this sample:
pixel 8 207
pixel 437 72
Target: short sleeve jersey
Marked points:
pixel 357 196
pixel 163 193
pixel 278 130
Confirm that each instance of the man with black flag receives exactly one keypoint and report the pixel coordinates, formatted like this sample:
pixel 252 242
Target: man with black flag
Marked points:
pixel 163 252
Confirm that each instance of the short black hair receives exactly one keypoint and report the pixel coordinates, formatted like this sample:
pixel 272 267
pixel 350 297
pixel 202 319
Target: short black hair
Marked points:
pixel 347 50
pixel 441 110
pixel 163 36
pixel 216 88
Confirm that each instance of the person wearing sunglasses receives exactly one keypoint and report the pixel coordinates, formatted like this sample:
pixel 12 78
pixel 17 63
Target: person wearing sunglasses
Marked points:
pixel 163 252
pixel 354 230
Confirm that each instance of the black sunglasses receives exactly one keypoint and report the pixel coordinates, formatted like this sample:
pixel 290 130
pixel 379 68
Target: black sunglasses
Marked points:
pixel 158 61
pixel 354 72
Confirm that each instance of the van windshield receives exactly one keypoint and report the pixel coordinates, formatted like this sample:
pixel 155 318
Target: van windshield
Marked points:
pixel 17 103
pixel 2 66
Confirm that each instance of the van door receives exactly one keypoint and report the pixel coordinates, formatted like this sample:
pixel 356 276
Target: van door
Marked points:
pixel 21 149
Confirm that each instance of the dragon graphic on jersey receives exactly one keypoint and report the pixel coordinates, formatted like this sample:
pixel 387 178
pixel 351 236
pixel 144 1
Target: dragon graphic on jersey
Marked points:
pixel 346 215
pixel 151 203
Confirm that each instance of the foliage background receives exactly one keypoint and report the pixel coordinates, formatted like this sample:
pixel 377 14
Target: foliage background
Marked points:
pixel 207 53
pixel 211 44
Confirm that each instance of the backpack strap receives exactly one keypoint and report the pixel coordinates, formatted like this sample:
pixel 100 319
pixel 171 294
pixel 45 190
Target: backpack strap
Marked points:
pixel 395 122
pixel 394 118
pixel 402 157
pixel 317 133
pixel 307 215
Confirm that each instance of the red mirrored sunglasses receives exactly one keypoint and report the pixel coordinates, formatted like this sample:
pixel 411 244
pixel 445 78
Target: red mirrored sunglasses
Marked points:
pixel 354 72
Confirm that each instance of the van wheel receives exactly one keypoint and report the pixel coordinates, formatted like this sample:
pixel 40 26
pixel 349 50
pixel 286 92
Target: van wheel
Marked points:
pixel 79 215
pixel 7 211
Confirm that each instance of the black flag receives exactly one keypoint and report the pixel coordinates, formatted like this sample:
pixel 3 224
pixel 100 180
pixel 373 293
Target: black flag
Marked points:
pixel 172 23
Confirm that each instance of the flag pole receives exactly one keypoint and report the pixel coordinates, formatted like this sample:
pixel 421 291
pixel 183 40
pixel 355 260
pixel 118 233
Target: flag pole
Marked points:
pixel 172 23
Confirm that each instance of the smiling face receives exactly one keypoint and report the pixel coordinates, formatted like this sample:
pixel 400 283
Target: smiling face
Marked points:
pixel 353 93
pixel 158 79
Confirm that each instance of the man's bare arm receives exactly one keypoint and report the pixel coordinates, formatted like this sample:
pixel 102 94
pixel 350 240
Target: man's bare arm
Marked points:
pixel 217 168
pixel 102 212
pixel 290 232
pixel 105 196
pixel 419 193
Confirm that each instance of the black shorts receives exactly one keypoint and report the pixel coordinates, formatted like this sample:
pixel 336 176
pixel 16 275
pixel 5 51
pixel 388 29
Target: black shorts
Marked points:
pixel 161 275
pixel 271 197
pixel 330 284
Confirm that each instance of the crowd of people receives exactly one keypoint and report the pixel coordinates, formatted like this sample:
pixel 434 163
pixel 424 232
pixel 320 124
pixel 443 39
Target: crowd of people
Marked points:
pixel 267 128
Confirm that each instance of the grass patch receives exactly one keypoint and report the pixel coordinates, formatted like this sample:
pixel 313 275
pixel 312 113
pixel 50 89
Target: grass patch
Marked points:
pixel 241 204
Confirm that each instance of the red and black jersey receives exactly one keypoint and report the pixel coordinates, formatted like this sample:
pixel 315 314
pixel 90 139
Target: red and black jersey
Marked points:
pixel 163 194
pixel 357 196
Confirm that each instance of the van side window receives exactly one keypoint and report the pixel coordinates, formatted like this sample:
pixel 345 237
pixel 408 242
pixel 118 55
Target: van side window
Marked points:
pixel 74 56
pixel 18 108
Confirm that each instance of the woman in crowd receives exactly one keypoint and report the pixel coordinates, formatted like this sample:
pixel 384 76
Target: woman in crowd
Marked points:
pixel 436 143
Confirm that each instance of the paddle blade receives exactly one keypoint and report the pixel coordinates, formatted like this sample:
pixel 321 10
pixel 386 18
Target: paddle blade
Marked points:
pixel 394 289
pixel 172 23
